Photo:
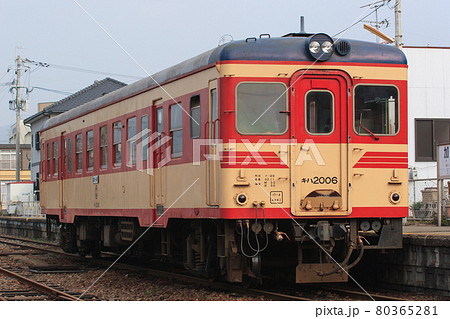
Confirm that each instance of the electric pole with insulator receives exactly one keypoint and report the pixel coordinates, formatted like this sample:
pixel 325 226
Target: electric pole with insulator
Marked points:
pixel 17 105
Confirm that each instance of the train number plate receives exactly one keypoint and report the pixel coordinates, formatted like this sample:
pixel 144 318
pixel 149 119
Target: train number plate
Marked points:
pixel 276 197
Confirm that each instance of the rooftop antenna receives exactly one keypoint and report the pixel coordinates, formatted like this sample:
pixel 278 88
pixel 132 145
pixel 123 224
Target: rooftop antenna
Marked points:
pixel 302 24
pixel 302 32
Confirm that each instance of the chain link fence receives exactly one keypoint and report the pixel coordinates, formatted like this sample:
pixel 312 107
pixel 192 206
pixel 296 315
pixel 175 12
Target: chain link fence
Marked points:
pixel 423 200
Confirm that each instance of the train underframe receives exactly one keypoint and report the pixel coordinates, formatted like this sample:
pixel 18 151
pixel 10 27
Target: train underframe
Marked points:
pixel 247 251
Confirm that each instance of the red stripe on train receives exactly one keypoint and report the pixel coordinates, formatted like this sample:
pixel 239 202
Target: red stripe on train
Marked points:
pixel 386 154
pixel 379 165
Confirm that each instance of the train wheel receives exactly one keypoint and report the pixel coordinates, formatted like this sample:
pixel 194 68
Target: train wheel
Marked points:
pixel 96 250
pixel 251 282
pixel 68 239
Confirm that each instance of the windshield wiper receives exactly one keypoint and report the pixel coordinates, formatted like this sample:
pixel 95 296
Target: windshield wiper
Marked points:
pixel 368 131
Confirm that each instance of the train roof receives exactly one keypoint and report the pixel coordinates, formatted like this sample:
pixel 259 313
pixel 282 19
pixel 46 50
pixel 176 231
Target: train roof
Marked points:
pixel 251 49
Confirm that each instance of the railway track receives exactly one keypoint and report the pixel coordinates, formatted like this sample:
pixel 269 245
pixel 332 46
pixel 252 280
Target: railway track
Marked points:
pixel 362 295
pixel 232 288
pixel 30 241
pixel 46 290
pixel 169 275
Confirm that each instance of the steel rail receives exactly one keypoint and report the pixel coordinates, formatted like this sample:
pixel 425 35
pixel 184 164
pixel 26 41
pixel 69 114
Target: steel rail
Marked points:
pixel 360 294
pixel 39 248
pixel 39 287
pixel 205 282
pixel 30 240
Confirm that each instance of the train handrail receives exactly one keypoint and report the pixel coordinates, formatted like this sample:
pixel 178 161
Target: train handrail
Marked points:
pixel 159 140
pixel 206 136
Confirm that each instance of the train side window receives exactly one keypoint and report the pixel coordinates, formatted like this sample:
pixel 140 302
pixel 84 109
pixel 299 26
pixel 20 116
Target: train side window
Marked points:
pixel 176 130
pixel 159 121
pixel 49 156
pixel 214 116
pixel 144 136
pixel 55 158
pixel 376 110
pixel 79 152
pixel 195 116
pixel 104 147
pixel 131 140
pixel 259 108
pixel 90 150
pixel 159 126
pixel 117 144
pixel 319 112
pixel 69 155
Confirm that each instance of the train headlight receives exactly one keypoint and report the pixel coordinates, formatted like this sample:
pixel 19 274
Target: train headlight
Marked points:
pixel 395 197
pixel 241 199
pixel 327 47
pixel 320 46
pixel 314 47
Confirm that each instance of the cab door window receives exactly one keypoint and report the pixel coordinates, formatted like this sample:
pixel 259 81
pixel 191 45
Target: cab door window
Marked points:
pixel 319 112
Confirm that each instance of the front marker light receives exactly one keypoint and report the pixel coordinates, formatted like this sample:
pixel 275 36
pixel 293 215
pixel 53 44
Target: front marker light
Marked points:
pixel 327 47
pixel 314 47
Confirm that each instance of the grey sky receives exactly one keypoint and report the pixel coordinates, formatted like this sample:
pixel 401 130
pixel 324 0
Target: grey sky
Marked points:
pixel 161 33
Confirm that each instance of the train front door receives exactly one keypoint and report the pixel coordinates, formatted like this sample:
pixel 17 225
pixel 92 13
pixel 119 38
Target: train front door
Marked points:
pixel 319 148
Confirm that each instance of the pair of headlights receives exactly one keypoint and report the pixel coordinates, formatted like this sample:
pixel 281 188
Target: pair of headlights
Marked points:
pixel 320 46
pixel 315 47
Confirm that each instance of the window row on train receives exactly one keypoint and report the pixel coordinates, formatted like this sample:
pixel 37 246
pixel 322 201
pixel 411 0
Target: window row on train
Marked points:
pixel 75 156
pixel 261 108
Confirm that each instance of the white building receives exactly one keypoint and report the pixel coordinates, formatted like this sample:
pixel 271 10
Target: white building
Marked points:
pixel 428 113
pixel 25 134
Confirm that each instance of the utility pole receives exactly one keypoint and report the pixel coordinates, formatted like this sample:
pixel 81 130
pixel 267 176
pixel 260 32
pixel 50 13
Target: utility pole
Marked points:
pixel 398 24
pixel 16 105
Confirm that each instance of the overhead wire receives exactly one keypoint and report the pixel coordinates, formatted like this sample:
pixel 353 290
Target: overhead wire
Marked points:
pixel 355 23
pixel 5 87
pixel 68 68
pixel 52 90
pixel 4 75
pixel 76 69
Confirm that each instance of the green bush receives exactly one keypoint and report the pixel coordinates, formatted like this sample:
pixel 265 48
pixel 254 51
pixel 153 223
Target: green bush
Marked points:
pixel 416 206
pixel 444 219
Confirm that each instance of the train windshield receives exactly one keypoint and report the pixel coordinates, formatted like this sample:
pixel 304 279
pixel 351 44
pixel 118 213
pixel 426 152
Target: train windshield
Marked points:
pixel 259 108
pixel 376 110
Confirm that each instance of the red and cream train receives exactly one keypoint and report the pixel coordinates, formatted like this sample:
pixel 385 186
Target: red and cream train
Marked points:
pixel 268 156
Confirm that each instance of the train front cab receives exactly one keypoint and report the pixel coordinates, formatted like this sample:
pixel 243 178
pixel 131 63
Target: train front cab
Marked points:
pixel 338 183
